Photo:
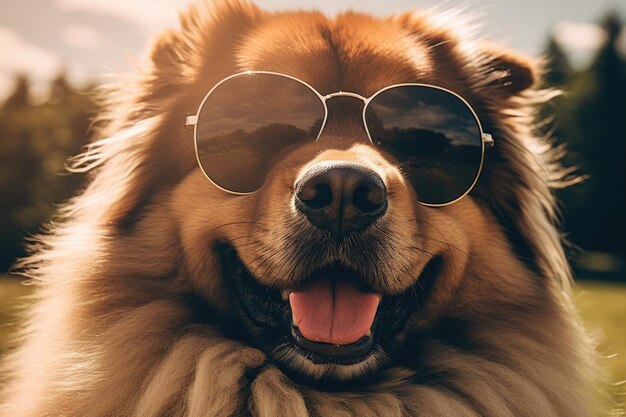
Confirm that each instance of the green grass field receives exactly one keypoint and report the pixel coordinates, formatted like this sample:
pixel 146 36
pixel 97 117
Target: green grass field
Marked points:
pixel 603 308
pixel 602 305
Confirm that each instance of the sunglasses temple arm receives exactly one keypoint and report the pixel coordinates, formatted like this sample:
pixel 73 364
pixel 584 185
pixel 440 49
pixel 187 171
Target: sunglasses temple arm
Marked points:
pixel 488 140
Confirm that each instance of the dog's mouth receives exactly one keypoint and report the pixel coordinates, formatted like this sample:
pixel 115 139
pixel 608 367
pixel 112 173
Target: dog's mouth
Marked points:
pixel 333 314
pixel 328 323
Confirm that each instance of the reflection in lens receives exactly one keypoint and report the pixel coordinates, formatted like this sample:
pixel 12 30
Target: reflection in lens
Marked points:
pixel 247 121
pixel 433 134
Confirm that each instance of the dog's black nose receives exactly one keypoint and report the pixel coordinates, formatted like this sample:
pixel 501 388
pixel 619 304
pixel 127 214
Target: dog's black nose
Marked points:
pixel 341 197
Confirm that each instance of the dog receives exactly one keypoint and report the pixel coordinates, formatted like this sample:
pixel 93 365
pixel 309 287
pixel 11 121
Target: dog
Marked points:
pixel 294 215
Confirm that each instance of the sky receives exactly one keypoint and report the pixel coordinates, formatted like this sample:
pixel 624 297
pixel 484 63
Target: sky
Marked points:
pixel 96 39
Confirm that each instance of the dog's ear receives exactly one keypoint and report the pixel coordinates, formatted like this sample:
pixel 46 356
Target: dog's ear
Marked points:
pixel 451 38
pixel 148 149
pixel 171 61
pixel 206 42
pixel 510 73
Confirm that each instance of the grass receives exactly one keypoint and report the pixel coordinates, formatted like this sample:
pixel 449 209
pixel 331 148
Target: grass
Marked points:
pixel 603 309
pixel 602 306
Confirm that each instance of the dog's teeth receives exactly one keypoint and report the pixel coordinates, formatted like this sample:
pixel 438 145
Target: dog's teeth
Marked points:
pixel 369 333
pixel 293 321
pixel 285 295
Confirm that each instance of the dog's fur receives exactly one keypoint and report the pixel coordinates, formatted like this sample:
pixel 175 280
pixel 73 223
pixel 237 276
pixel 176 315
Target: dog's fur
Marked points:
pixel 130 303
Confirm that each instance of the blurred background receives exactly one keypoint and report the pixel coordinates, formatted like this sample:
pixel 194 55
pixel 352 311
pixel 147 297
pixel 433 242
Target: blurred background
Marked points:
pixel 53 53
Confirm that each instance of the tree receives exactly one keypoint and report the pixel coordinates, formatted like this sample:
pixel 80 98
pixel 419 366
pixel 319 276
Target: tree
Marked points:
pixel 35 141
pixel 593 119
pixel 558 69
pixel 20 97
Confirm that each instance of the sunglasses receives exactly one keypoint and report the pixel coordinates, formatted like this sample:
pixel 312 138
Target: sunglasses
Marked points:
pixel 247 119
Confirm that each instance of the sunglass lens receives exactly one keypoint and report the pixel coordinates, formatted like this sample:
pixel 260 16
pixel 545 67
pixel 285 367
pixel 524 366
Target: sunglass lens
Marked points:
pixel 247 121
pixel 433 134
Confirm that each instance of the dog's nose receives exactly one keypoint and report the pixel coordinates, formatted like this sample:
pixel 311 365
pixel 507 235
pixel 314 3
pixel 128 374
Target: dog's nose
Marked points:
pixel 341 197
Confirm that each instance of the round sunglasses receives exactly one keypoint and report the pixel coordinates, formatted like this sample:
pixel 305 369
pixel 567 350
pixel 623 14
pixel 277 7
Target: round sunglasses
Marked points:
pixel 246 119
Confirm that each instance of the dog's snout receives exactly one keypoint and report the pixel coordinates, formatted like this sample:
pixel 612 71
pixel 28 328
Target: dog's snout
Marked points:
pixel 341 197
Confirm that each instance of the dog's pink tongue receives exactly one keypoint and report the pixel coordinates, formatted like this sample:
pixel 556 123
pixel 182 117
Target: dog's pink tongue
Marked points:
pixel 333 311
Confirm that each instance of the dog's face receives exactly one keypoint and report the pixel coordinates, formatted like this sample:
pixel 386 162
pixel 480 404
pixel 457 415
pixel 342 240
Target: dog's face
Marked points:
pixel 327 286
pixel 332 263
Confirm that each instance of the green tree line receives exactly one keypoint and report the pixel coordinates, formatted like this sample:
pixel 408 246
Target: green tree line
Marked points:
pixel 35 141
pixel 588 119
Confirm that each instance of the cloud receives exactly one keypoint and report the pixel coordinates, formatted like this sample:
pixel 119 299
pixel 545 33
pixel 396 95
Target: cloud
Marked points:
pixel 581 40
pixel 25 58
pixel 578 37
pixel 150 14
pixel 80 37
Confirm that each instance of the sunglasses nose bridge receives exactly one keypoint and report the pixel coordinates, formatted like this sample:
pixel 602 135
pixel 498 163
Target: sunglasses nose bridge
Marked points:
pixel 344 118
pixel 345 94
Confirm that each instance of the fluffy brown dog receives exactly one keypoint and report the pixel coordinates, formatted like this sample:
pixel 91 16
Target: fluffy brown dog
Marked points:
pixel 160 293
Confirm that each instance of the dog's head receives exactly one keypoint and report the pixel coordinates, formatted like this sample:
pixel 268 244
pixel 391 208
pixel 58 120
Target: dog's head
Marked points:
pixel 331 265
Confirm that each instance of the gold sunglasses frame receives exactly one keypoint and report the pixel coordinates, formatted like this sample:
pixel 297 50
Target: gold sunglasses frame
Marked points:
pixel 486 139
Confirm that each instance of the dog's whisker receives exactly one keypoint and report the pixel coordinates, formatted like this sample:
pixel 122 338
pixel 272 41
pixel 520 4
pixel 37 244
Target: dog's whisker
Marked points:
pixel 447 244
pixel 413 247
pixel 234 224
pixel 234 239
pixel 445 240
